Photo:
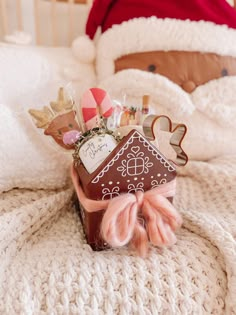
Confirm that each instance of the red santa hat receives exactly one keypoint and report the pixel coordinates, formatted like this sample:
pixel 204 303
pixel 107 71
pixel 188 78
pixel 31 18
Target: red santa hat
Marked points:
pixel 130 26
pixel 106 13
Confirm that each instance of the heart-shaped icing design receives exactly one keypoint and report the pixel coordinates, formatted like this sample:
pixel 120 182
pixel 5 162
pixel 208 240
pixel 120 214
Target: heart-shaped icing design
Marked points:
pixel 135 149
pixel 178 132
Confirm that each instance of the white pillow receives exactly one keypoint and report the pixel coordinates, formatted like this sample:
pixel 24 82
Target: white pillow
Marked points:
pixel 30 78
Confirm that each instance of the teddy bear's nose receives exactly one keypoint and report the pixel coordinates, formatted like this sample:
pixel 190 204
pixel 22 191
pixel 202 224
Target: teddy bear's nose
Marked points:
pixel 189 86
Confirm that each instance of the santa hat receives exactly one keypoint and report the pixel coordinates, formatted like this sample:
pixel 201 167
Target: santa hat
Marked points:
pixel 106 13
pixel 130 26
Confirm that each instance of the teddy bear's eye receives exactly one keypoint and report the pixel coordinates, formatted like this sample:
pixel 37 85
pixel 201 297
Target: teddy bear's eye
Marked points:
pixel 70 125
pixel 151 68
pixel 224 72
pixel 59 132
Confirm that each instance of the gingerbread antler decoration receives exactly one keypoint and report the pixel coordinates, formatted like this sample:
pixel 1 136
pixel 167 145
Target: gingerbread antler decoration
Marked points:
pixel 57 119
pixel 45 116
pixel 178 132
pixel 42 117
pixel 62 102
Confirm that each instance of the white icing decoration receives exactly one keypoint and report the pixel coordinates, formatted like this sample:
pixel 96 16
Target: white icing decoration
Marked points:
pixel 133 189
pixel 150 148
pixel 163 181
pixel 155 182
pixel 111 193
pixel 136 164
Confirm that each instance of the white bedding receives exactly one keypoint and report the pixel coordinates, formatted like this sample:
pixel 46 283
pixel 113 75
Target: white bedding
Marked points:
pixel 30 78
pixel 47 267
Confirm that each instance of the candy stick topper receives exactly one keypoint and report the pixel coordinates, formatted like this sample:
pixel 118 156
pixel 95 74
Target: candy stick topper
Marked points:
pixel 95 103
pixel 145 105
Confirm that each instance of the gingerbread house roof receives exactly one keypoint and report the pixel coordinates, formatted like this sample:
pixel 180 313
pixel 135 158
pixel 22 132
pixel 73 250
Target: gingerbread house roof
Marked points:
pixel 135 164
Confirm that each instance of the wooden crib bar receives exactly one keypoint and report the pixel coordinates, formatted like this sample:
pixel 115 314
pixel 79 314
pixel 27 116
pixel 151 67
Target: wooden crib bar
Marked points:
pixel 19 15
pixel 71 19
pixel 4 16
pixel 54 22
pixel 5 25
pixel 37 24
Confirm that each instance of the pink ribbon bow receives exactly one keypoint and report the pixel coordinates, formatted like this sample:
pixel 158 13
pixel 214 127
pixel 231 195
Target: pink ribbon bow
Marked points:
pixel 136 218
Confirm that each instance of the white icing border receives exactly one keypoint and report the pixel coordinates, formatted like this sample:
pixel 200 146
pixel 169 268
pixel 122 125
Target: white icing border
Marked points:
pixel 136 135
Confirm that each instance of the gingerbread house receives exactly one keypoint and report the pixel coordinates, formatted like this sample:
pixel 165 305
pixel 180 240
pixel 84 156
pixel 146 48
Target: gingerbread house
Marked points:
pixel 135 164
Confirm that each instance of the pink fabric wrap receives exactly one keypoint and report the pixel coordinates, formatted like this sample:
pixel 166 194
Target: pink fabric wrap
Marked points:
pixel 136 218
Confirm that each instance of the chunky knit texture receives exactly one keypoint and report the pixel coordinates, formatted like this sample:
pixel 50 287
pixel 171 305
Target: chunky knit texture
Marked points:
pixel 47 267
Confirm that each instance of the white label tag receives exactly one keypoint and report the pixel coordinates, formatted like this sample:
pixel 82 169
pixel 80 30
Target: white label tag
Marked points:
pixel 94 151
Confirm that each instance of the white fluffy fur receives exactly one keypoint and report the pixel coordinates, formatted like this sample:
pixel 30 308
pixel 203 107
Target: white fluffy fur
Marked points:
pixel 27 160
pixel 163 91
pixel 201 112
pixel 217 100
pixel 139 35
pixel 83 48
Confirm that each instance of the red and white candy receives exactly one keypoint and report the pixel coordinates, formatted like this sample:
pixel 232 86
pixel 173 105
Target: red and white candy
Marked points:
pixel 95 103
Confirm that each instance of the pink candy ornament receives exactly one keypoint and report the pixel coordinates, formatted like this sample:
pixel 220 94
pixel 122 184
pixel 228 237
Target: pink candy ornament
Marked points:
pixel 95 103
pixel 71 137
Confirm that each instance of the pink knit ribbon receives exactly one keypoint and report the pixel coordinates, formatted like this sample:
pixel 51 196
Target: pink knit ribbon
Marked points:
pixel 136 218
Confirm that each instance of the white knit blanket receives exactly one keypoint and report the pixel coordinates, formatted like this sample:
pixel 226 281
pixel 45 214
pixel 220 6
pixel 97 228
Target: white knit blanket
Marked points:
pixel 47 267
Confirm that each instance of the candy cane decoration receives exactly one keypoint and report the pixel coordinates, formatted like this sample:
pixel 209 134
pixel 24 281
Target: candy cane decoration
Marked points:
pixel 95 103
